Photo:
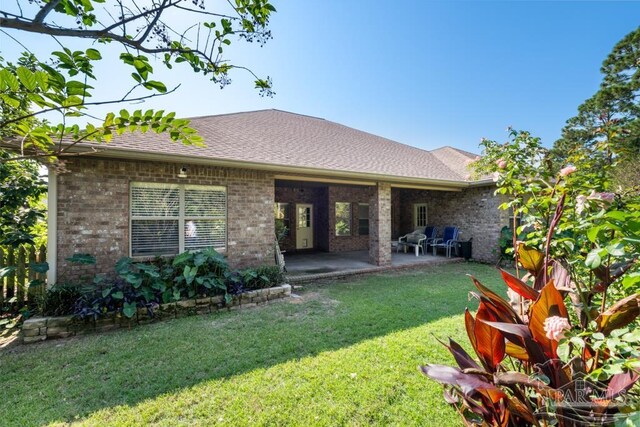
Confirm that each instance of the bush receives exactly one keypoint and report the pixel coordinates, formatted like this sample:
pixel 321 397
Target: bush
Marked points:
pixel 148 284
pixel 59 300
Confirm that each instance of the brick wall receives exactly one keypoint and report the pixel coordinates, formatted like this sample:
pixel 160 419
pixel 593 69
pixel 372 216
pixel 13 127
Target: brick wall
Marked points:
pixel 353 195
pixel 324 200
pixel 380 225
pixel 93 210
pixel 474 210
pixel 305 194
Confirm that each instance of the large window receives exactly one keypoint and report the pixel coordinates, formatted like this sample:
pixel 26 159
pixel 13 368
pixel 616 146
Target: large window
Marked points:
pixel 167 219
pixel 343 219
pixel 363 219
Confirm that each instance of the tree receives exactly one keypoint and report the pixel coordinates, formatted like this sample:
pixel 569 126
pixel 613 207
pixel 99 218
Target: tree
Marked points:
pixel 610 119
pixel 20 190
pixel 142 30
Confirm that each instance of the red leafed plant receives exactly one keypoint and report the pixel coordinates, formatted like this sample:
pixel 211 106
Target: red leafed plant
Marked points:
pixel 564 349
pixel 520 380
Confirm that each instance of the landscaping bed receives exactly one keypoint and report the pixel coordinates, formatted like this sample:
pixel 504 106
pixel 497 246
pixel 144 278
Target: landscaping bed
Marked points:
pixel 41 328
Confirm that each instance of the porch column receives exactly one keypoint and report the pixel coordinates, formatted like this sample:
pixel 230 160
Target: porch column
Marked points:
pixel 380 226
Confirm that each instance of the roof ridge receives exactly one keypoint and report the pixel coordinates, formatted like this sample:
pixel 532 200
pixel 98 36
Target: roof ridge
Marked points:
pixel 253 111
pixel 464 152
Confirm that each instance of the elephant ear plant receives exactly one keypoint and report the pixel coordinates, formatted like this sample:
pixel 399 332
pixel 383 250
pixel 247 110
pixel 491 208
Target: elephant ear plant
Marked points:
pixel 565 350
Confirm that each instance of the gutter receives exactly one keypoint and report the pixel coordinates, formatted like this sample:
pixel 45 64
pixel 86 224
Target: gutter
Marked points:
pixel 403 182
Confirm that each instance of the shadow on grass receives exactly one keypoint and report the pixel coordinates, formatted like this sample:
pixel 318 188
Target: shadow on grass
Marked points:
pixel 67 380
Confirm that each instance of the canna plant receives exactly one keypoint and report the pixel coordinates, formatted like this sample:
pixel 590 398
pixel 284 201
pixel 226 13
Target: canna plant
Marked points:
pixel 564 349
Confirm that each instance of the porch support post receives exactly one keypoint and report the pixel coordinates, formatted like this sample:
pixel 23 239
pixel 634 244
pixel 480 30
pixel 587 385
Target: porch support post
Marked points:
pixel 380 226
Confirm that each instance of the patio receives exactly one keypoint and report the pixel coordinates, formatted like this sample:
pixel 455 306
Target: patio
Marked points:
pixel 303 267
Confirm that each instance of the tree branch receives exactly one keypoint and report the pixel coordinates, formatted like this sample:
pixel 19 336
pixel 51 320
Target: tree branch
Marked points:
pixel 124 99
pixel 46 9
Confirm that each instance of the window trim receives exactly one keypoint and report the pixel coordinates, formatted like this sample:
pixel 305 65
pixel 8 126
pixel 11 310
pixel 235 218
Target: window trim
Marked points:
pixel 417 206
pixel 367 218
pixel 181 218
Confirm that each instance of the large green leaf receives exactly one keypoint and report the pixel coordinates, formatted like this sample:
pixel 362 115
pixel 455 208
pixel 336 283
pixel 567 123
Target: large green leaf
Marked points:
pixel 27 78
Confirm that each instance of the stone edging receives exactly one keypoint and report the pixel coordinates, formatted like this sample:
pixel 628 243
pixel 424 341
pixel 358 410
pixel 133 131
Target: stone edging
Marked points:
pixel 42 328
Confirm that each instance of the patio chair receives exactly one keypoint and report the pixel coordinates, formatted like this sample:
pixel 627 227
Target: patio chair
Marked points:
pixel 431 233
pixel 447 241
pixel 413 240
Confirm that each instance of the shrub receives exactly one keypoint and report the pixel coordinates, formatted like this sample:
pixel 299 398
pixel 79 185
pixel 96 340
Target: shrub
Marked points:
pixel 191 274
pixel 59 300
pixel 199 274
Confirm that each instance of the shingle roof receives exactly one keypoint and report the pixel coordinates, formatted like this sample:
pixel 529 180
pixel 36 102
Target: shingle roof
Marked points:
pixel 455 159
pixel 277 137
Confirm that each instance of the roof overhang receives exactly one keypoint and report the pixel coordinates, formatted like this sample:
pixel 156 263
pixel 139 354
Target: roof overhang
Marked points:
pixel 283 172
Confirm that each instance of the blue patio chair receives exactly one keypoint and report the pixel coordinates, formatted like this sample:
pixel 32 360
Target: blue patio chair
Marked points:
pixel 447 241
pixel 431 233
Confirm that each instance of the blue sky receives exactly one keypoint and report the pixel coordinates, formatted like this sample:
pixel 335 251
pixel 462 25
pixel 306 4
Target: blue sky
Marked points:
pixel 426 73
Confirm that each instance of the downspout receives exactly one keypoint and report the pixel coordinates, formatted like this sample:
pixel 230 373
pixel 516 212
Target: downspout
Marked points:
pixel 52 226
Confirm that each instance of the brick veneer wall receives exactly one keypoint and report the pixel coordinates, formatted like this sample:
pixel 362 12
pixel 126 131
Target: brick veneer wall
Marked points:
pixel 93 210
pixel 305 194
pixel 353 195
pixel 380 225
pixel 324 200
pixel 474 210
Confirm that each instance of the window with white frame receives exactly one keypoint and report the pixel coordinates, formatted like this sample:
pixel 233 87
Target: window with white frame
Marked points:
pixel 419 215
pixel 167 219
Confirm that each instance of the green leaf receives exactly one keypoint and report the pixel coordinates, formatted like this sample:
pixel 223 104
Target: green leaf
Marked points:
pixel 154 84
pixel 593 259
pixel 6 271
pixel 40 267
pixel 129 309
pixel 616 249
pixel 93 54
pixel 10 80
pixel 592 234
pixel 82 259
pixel 27 78
pixel 118 295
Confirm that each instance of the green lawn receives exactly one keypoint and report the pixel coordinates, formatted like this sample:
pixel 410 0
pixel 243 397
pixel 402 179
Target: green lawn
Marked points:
pixel 342 354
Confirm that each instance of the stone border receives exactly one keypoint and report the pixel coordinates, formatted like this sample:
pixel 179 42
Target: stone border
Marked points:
pixel 42 328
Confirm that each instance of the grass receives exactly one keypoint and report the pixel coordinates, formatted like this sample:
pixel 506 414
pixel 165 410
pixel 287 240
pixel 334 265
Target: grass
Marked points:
pixel 342 354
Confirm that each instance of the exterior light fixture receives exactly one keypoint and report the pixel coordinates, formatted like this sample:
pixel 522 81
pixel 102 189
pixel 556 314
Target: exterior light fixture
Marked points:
pixel 183 172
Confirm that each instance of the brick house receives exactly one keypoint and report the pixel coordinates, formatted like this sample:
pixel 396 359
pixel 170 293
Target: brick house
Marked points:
pixel 335 188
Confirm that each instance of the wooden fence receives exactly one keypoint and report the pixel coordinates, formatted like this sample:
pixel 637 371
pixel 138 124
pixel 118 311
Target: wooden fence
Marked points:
pixel 14 288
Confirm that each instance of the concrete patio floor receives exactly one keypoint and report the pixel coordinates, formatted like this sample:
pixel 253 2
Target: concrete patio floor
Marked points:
pixel 305 267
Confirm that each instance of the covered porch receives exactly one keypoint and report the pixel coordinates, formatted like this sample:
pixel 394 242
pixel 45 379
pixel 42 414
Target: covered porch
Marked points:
pixel 335 225
pixel 303 267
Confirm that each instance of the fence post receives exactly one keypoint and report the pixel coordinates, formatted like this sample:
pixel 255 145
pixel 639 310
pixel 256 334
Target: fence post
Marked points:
pixel 11 278
pixel 21 275
pixel 42 257
pixel 32 273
